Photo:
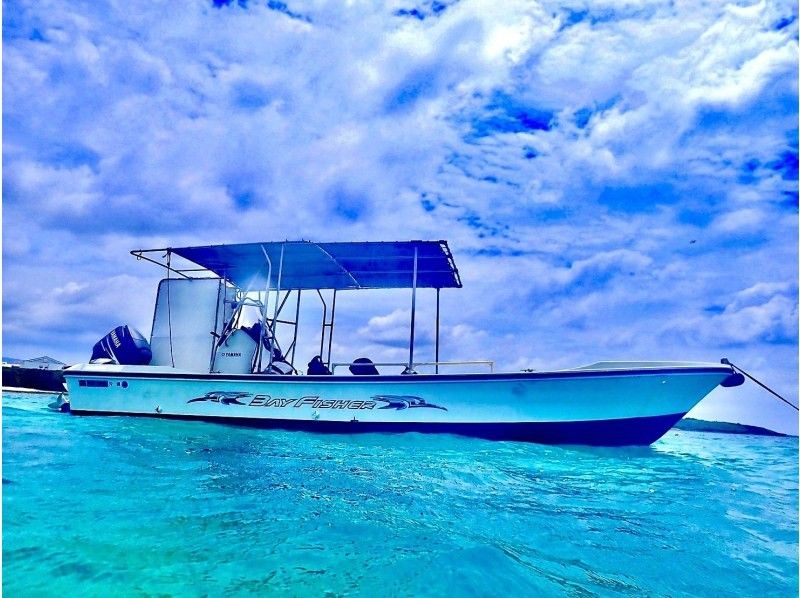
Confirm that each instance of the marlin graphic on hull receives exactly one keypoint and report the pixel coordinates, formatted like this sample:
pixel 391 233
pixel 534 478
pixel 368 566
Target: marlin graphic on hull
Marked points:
pixel 400 402
pixel 226 398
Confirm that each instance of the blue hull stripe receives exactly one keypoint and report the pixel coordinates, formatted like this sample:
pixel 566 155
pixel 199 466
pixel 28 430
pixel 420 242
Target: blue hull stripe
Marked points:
pixel 612 432
pixel 722 370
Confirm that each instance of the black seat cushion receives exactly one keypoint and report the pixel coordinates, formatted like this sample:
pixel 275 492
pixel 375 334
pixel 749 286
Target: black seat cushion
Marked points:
pixel 363 367
pixel 316 367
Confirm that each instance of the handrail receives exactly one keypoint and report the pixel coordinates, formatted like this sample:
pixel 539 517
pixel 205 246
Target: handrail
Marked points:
pixel 417 363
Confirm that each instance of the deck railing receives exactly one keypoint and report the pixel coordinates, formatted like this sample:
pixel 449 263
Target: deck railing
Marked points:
pixel 489 364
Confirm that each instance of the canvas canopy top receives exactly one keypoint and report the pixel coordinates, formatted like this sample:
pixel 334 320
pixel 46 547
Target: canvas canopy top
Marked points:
pixel 344 265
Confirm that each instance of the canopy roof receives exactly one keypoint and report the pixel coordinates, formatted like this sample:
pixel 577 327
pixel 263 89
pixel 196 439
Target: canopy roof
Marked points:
pixel 308 265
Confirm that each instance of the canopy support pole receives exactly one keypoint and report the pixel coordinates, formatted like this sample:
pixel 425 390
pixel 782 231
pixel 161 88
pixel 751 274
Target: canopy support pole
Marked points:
pixel 273 328
pixel 324 320
pixel 330 334
pixel 296 323
pixel 410 367
pixel 437 331
pixel 263 310
pixel 138 253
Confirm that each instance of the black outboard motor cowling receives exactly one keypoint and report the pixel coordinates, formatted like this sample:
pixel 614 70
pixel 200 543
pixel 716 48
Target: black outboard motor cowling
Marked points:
pixel 123 345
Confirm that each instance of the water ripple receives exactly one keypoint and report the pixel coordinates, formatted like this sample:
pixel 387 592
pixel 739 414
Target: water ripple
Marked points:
pixel 139 506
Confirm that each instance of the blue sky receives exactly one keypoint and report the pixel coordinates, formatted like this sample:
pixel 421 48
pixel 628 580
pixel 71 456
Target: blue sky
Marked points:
pixel 617 180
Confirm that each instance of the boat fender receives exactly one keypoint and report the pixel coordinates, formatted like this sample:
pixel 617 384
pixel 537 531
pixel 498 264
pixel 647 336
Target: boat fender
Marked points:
pixel 735 379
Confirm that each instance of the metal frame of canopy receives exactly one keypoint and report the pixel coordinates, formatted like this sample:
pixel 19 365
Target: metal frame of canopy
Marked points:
pixel 319 266
pixel 339 266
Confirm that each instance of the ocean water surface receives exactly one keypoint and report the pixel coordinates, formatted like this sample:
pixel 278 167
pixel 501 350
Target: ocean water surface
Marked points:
pixel 137 506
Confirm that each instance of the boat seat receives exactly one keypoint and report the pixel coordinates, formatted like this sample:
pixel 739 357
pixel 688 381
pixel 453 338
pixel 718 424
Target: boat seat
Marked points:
pixel 363 367
pixel 257 333
pixel 316 367
pixel 279 364
pixel 280 368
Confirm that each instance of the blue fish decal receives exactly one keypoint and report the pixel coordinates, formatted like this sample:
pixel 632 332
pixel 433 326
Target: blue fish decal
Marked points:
pixel 217 396
pixel 400 402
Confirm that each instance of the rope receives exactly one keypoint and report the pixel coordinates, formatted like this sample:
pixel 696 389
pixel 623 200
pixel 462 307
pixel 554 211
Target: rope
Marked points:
pixel 762 385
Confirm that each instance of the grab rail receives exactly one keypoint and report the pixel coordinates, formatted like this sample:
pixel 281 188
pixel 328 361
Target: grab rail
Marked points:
pixel 421 363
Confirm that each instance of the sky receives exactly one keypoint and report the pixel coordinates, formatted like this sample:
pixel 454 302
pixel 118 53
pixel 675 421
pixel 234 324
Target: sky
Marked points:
pixel 616 179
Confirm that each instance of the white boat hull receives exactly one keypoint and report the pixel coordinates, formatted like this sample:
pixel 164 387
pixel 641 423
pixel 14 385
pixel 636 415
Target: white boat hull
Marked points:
pixel 633 406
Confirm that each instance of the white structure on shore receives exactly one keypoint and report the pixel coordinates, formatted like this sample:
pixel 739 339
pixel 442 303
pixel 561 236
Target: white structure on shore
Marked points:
pixel 42 363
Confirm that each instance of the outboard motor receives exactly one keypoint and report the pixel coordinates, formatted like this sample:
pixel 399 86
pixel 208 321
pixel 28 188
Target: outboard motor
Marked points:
pixel 123 345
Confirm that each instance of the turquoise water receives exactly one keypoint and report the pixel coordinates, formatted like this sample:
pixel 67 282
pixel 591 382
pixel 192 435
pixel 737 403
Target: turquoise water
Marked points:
pixel 134 506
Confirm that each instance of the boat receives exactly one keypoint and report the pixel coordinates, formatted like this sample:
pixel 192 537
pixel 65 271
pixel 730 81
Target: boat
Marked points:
pixel 225 333
pixel 42 374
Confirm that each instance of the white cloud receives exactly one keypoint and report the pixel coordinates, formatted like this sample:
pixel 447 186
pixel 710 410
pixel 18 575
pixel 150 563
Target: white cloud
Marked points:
pixel 763 312
pixel 392 328
pixel 744 219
